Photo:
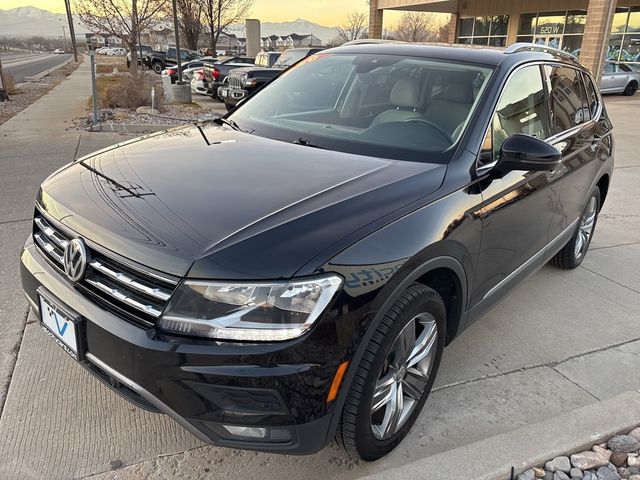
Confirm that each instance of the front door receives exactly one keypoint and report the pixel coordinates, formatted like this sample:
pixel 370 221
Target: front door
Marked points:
pixel 517 206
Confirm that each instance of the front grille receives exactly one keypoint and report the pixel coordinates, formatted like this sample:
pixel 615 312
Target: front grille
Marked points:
pixel 124 289
pixel 235 80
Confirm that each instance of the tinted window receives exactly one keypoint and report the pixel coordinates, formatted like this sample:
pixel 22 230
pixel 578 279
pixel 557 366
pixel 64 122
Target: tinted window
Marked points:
pixel 609 68
pixel 568 105
pixel 389 106
pixel 592 96
pixel 521 108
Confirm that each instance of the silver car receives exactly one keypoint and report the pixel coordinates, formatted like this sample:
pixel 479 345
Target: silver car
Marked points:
pixel 619 78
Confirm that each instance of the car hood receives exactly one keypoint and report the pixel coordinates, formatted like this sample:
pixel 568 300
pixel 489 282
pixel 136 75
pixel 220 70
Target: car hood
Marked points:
pixel 243 206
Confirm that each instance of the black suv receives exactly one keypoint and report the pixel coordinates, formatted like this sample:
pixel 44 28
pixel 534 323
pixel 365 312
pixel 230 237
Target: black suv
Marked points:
pixel 297 273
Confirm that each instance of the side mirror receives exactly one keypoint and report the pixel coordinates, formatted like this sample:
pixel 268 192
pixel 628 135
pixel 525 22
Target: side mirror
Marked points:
pixel 524 152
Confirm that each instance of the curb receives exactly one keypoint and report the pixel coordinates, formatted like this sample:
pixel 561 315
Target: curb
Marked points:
pixel 130 128
pixel 38 76
pixel 528 446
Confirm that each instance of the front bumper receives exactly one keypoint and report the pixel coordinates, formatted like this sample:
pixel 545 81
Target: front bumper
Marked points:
pixel 202 384
pixel 232 95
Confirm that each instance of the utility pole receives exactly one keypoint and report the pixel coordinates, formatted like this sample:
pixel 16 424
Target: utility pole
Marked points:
pixel 72 30
pixel 176 26
pixel 4 94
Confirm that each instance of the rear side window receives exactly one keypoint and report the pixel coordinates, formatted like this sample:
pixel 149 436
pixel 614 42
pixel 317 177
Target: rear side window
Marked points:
pixel 567 97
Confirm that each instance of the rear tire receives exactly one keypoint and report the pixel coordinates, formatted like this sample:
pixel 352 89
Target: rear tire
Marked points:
pixel 573 253
pixel 228 107
pixel 395 372
pixel 631 89
pixel 157 67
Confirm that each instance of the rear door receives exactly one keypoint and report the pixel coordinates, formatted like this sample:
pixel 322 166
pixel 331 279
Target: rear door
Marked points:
pixel 517 206
pixel 573 106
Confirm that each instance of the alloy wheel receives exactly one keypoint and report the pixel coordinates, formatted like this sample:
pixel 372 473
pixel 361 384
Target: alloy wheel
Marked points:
pixel 585 229
pixel 404 375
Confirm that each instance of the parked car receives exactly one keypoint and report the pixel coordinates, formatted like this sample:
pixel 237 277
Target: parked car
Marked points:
pixel 117 52
pixel 187 68
pixel 145 49
pixel 243 82
pixel 197 82
pixel 298 273
pixel 619 78
pixel 215 73
pixel 58 51
pixel 158 61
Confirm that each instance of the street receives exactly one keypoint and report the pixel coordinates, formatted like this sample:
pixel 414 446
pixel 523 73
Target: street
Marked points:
pixel 26 65
pixel 560 341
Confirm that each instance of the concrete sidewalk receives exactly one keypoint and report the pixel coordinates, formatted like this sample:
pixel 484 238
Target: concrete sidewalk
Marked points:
pixel 562 341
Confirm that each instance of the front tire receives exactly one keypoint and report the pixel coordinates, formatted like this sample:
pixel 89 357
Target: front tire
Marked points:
pixel 395 375
pixel 157 67
pixel 631 89
pixel 573 253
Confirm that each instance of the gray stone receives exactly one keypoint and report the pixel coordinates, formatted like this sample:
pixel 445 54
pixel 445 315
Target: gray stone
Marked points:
pixel 635 433
pixel 561 464
pixel 560 476
pixel 623 443
pixel 624 472
pixel 548 476
pixel 180 93
pixel 527 475
pixel 589 476
pixel 605 473
pixel 633 461
pixel 634 477
pixel 576 473
pixel 588 460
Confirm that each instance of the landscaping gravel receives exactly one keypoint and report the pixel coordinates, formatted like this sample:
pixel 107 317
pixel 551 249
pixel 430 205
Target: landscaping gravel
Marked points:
pixel 617 459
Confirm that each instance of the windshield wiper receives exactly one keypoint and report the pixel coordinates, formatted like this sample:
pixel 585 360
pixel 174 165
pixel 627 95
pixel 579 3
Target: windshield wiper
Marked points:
pixel 306 143
pixel 228 123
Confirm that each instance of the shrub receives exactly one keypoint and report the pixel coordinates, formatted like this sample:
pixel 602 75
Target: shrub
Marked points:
pixel 128 91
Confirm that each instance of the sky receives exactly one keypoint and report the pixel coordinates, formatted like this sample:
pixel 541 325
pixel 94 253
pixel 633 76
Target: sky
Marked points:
pixel 325 12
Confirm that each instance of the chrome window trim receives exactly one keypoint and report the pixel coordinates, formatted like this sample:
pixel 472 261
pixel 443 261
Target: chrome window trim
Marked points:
pixel 552 140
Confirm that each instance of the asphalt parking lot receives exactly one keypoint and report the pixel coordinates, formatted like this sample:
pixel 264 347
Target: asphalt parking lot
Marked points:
pixel 561 341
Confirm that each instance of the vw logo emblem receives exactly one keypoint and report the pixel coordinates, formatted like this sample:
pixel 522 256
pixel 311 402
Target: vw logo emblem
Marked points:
pixel 75 259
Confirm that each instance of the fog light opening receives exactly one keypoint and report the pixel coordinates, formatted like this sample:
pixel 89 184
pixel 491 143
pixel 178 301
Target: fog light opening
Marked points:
pixel 247 432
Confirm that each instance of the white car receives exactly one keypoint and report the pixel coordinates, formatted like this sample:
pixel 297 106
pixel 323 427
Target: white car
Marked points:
pixel 117 52
pixel 58 51
pixel 197 82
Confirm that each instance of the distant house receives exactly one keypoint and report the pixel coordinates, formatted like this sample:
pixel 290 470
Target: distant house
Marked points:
pixel 295 40
pixel 158 39
pixel 275 42
pixel 98 40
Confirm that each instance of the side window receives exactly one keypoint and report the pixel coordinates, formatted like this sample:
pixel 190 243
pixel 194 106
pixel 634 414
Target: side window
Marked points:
pixel 567 96
pixel 592 95
pixel 521 109
pixel 609 68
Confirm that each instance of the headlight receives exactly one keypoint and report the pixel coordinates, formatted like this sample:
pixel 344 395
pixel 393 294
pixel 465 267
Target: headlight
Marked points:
pixel 248 311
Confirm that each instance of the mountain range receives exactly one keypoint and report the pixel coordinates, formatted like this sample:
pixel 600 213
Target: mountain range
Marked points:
pixel 32 21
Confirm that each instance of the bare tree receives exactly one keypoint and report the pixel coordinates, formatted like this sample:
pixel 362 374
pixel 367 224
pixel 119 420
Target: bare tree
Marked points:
pixel 354 28
pixel 219 14
pixel 190 13
pixel 124 19
pixel 418 27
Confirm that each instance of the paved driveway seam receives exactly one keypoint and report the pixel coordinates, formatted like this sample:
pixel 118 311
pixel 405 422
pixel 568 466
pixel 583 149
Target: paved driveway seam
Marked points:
pixel 611 280
pixel 6 386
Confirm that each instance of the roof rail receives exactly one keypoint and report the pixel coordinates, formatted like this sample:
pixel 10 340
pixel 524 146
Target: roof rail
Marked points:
pixel 369 41
pixel 534 47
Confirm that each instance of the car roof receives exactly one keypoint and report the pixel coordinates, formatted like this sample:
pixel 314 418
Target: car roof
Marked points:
pixel 491 56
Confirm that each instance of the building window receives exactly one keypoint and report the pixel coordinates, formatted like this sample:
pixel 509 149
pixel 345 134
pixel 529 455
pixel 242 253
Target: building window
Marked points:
pixel 563 30
pixel 624 42
pixel 491 30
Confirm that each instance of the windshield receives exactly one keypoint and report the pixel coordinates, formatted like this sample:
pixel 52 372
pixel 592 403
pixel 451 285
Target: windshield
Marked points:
pixel 376 105
pixel 289 57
